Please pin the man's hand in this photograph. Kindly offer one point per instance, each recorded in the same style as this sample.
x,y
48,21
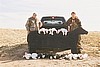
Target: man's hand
x,y
28,32
68,28
70,24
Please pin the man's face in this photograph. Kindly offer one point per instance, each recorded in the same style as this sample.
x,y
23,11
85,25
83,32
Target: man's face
x,y
34,16
73,15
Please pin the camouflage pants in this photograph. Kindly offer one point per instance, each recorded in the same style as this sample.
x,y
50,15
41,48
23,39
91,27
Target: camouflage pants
x,y
79,37
79,44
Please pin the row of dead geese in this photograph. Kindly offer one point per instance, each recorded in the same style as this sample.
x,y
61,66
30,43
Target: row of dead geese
x,y
52,30
54,56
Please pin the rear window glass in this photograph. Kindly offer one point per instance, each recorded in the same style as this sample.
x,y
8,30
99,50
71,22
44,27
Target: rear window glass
x,y
53,19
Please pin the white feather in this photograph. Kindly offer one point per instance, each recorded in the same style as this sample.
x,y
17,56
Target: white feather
x,y
34,55
85,56
70,56
80,56
63,30
27,56
52,31
51,57
43,30
43,56
75,56
55,57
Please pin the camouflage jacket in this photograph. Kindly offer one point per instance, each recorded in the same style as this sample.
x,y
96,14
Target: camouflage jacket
x,y
32,24
73,23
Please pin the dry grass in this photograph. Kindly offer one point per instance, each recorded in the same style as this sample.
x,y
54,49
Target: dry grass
x,y
13,44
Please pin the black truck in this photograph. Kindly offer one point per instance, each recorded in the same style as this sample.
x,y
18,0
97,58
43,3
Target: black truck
x,y
56,42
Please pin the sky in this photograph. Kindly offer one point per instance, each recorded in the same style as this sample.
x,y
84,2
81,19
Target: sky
x,y
14,13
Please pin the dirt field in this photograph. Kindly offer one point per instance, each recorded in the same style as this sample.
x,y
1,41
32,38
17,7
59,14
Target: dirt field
x,y
13,45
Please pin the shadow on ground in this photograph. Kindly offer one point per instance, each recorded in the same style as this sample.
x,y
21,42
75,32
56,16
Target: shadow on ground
x,y
12,53
16,52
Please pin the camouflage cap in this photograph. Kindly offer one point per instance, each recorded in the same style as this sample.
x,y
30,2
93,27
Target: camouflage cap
x,y
73,13
34,14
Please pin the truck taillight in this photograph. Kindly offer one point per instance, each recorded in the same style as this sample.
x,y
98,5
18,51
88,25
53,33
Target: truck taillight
x,y
53,17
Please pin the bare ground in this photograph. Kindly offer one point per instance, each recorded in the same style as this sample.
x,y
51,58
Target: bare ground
x,y
13,45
